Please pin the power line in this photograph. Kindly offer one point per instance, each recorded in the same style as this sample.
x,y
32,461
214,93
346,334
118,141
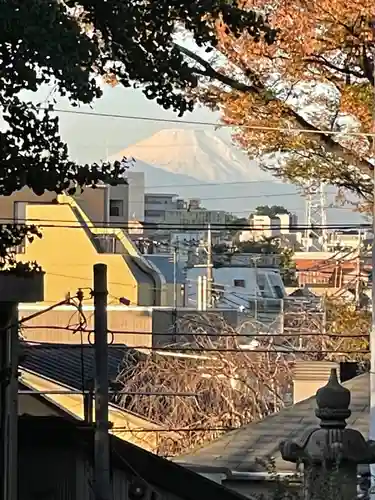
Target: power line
x,y
72,392
183,226
261,128
302,333
178,349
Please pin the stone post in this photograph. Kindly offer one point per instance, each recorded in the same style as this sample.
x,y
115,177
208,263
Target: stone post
x,y
331,452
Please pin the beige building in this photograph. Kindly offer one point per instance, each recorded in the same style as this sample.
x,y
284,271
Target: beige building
x,y
104,205
265,226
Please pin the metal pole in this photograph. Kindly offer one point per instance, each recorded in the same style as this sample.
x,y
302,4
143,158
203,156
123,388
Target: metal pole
x,y
209,267
256,289
204,293
199,293
102,467
358,271
372,335
9,400
13,405
175,277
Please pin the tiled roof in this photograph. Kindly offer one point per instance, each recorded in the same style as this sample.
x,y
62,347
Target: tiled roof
x,y
239,450
70,365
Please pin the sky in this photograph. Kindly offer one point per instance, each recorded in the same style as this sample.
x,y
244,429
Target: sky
x,y
92,138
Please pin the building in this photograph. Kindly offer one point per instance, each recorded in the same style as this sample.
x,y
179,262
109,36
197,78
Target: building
x,y
156,206
56,461
329,270
136,207
346,240
288,222
103,205
258,290
174,274
240,460
198,217
51,384
72,243
264,226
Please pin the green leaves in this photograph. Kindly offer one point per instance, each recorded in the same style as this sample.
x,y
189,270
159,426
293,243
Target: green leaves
x,y
65,44
138,40
12,236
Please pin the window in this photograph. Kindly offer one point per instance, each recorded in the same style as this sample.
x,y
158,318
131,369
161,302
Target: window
x,y
278,291
239,283
116,208
262,284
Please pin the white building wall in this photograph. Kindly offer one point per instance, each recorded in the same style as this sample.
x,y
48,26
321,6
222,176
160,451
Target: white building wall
x,y
239,284
119,193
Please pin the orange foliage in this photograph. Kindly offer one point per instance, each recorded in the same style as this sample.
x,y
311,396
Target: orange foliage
x,y
319,71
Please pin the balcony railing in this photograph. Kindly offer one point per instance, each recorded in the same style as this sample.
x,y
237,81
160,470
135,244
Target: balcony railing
x,y
107,243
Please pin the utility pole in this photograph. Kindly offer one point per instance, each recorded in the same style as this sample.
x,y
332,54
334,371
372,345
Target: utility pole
x,y
9,399
102,469
372,334
209,266
256,289
358,270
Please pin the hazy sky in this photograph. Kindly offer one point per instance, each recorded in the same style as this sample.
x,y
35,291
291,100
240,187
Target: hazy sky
x,y
90,138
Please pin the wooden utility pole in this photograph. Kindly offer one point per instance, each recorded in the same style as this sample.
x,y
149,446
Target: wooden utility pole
x,y
102,462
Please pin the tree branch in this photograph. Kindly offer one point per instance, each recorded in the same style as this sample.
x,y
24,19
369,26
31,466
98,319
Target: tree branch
x,y
330,145
210,72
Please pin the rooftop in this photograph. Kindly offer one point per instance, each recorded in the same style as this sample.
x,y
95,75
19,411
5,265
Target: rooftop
x,y
242,449
71,365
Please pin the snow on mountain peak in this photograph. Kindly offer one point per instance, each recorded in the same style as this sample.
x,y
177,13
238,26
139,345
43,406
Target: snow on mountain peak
x,y
196,153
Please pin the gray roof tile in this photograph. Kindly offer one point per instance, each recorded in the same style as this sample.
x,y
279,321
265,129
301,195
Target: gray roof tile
x,y
73,366
242,448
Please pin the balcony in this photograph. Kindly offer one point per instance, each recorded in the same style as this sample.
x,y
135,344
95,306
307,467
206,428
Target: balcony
x,y
107,243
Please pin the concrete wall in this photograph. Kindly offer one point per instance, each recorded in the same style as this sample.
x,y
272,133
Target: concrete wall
x,y
94,203
120,192
53,326
7,203
136,206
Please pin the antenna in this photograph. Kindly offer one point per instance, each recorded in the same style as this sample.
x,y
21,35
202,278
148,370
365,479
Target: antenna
x,y
315,237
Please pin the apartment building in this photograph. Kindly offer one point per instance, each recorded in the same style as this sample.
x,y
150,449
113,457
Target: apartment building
x,y
197,217
73,241
157,205
264,226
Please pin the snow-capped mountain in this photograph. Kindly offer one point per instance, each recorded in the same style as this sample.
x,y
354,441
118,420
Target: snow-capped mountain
x,y
201,154
199,164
